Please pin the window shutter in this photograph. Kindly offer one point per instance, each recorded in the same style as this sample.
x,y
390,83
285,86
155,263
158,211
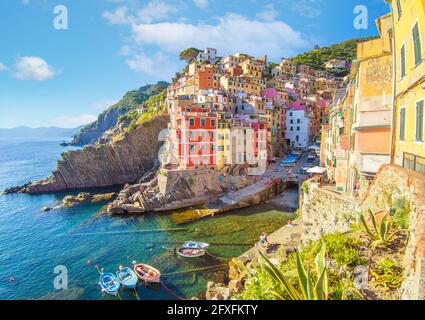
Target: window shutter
x,y
403,61
402,123
399,10
417,44
419,120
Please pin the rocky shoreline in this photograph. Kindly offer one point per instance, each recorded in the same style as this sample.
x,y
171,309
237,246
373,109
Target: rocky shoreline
x,y
123,160
166,191
83,197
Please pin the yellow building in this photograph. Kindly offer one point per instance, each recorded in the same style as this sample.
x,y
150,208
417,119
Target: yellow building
x,y
251,68
224,151
408,138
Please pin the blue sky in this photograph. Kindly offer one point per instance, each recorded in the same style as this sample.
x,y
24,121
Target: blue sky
x,y
66,77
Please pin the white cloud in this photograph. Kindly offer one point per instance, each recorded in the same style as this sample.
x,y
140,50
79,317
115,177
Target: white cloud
x,y
73,122
33,68
2,67
305,8
159,66
201,3
118,16
156,10
102,104
232,33
268,14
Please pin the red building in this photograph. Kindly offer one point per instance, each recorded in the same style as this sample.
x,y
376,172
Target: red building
x,y
196,137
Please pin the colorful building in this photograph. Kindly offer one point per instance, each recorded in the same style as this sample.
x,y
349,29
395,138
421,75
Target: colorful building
x,y
298,125
372,106
408,138
194,137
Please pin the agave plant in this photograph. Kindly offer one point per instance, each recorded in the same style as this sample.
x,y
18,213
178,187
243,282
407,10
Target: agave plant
x,y
310,289
378,234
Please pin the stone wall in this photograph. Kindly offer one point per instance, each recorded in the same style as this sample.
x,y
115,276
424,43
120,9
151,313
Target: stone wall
x,y
391,183
199,180
324,211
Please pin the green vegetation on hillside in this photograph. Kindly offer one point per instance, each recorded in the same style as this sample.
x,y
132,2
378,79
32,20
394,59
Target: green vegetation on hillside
x,y
109,118
155,105
136,98
316,58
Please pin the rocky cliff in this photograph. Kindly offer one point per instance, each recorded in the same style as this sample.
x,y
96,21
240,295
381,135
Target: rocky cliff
x,y
108,119
124,160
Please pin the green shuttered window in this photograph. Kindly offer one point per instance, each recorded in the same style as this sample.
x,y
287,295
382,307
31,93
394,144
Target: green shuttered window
x,y
419,121
399,9
417,44
403,61
403,124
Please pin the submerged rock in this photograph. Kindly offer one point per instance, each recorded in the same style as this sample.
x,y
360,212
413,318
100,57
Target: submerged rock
x,y
83,197
103,197
70,201
68,294
19,189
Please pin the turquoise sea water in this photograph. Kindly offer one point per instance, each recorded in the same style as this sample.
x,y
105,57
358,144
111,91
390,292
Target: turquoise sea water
x,y
33,243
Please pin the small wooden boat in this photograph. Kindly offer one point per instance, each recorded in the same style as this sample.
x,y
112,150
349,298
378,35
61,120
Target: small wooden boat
x,y
109,283
127,277
190,253
147,273
195,245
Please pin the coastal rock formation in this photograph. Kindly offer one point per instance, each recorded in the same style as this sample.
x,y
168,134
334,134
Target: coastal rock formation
x,y
93,131
108,119
70,201
18,189
169,190
103,197
124,160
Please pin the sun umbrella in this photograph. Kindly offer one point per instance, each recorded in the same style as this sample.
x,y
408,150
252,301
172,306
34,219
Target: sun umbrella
x,y
316,170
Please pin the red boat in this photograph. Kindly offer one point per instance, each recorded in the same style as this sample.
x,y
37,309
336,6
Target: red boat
x,y
147,273
190,253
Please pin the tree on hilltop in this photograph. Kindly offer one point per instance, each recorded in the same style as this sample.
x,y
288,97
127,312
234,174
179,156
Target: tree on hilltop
x,y
189,54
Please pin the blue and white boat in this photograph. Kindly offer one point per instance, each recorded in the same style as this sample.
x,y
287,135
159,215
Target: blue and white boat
x,y
109,283
195,245
127,277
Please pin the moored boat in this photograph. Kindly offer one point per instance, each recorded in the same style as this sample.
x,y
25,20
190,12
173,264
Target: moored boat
x,y
109,283
195,245
127,277
147,273
190,253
